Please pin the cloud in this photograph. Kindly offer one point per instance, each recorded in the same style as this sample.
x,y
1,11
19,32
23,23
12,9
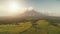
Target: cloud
x,y
30,8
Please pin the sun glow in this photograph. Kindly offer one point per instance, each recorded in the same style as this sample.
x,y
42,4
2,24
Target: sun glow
x,y
14,9
13,6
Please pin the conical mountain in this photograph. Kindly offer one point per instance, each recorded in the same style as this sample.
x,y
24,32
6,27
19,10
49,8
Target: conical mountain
x,y
31,14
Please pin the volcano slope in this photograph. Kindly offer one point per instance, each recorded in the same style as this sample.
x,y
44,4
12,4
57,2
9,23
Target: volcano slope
x,y
30,15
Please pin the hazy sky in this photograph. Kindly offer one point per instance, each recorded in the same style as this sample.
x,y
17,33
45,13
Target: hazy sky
x,y
52,7
48,7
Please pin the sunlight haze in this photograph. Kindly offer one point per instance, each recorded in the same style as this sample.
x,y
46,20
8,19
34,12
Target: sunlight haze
x,y
12,7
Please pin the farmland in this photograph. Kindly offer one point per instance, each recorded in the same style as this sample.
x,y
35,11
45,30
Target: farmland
x,y
42,27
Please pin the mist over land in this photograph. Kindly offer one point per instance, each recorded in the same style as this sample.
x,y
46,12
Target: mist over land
x,y
29,17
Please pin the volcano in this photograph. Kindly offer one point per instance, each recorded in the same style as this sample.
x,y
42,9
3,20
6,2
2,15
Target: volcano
x,y
31,14
27,15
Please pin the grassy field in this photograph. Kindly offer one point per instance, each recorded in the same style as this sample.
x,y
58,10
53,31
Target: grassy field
x,y
42,27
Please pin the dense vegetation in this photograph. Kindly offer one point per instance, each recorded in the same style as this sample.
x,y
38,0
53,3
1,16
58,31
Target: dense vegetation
x,y
40,27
